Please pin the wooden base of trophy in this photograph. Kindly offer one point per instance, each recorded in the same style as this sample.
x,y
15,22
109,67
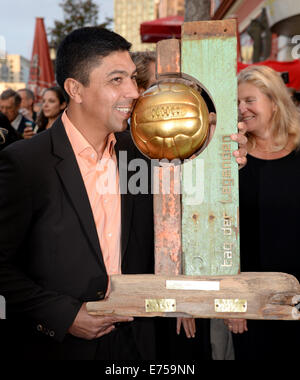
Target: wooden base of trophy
x,y
247,295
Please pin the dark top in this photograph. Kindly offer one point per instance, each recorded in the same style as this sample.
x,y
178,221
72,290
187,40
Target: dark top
x,y
269,214
25,123
269,228
10,134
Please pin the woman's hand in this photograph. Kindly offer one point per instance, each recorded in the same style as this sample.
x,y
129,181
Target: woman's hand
x,y
239,154
237,326
188,325
241,139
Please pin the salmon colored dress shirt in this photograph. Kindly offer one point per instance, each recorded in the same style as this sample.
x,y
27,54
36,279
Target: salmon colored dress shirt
x,y
101,180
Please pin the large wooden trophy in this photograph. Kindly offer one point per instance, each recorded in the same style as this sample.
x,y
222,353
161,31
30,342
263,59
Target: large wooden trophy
x,y
196,200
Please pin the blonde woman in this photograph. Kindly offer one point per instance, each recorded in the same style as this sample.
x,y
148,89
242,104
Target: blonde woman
x,y
269,203
145,65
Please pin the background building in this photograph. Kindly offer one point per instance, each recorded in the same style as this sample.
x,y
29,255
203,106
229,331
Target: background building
x,y
171,8
129,14
266,27
14,72
18,68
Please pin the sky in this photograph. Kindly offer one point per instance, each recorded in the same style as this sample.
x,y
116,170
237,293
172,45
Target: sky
x,y
17,21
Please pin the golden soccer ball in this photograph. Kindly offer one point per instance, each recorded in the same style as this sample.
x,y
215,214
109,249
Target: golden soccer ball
x,y
170,120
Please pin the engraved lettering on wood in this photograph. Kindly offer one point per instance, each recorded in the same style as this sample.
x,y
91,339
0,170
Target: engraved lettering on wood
x,y
211,246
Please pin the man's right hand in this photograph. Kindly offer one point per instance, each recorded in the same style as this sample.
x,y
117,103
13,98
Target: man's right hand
x,y
90,327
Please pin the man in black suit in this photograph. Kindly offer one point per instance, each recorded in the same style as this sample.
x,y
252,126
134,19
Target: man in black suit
x,y
55,249
52,259
10,102
8,134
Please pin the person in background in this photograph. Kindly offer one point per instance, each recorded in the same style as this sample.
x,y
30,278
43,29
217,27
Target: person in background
x,y
269,204
27,104
53,105
296,99
8,134
145,62
10,102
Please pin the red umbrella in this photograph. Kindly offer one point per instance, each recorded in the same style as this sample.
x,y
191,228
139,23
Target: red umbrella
x,y
161,29
292,67
41,68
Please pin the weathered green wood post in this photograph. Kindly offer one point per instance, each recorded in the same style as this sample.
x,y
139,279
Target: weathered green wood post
x,y
210,226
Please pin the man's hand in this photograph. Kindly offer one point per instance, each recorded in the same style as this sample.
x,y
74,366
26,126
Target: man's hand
x,y
236,325
90,327
25,113
188,325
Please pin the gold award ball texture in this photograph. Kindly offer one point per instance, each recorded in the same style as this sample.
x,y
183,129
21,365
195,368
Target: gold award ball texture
x,y
170,120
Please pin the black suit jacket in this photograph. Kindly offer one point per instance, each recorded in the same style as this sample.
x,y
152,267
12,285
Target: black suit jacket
x,y
50,257
10,134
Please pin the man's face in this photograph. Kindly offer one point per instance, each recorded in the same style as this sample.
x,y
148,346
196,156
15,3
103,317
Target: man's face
x,y
9,108
26,102
108,100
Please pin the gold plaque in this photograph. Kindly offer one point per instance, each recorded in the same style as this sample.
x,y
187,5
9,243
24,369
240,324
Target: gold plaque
x,y
170,120
161,305
230,306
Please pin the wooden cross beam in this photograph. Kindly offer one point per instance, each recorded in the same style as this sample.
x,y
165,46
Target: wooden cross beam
x,y
247,295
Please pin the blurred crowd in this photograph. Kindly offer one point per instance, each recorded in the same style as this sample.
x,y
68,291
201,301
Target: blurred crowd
x,y
22,118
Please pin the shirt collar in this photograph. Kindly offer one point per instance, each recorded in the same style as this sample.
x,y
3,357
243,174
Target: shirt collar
x,y
15,123
81,146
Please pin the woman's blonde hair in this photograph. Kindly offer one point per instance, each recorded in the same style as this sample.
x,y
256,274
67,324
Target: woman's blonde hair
x,y
286,118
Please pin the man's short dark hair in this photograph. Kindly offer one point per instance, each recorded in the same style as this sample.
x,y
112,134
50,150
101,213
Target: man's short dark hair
x,y
29,93
80,51
11,94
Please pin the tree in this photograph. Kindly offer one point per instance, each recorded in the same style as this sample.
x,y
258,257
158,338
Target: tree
x,y
77,13
197,10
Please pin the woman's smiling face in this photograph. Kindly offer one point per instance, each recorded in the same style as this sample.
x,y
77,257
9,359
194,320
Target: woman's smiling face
x,y
255,108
